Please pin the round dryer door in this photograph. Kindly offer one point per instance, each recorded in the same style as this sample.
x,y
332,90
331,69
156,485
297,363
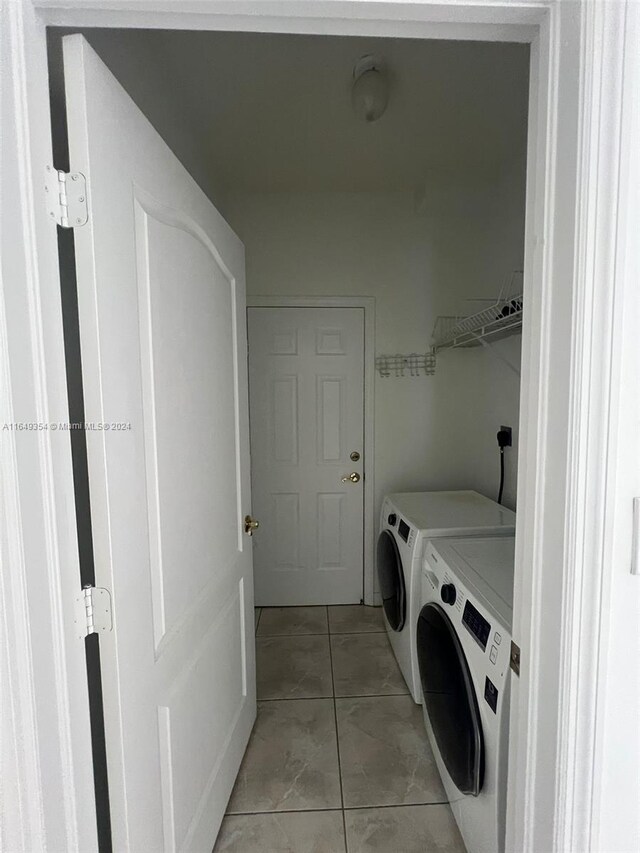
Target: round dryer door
x,y
450,699
391,579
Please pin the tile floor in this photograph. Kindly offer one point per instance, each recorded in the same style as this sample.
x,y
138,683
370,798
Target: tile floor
x,y
338,761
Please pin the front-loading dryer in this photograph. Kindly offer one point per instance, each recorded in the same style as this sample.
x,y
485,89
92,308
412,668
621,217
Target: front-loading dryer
x,y
464,637
407,521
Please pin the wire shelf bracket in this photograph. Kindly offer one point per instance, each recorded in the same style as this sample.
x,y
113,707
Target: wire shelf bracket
x,y
412,364
499,320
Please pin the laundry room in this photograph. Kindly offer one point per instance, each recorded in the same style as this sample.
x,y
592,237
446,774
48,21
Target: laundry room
x,y
370,195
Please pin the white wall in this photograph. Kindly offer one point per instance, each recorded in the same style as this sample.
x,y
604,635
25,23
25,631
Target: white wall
x,y
475,392
431,432
132,57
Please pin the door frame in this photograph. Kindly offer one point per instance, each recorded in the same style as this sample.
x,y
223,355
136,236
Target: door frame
x,y
574,531
368,305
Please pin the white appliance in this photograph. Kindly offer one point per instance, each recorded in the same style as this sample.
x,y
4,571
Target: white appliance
x,y
464,639
407,521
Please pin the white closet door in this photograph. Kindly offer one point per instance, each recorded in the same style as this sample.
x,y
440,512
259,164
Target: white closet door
x,y
306,369
162,322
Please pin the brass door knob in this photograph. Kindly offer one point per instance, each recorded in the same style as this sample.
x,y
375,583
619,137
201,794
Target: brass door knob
x,y
250,525
354,477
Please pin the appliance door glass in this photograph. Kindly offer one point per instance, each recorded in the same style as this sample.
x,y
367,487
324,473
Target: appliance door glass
x,y
450,699
391,579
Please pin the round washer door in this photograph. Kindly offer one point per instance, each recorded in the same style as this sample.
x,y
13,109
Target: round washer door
x,y
391,579
450,699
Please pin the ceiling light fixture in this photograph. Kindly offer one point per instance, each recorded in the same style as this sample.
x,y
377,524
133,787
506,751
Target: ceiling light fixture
x,y
370,89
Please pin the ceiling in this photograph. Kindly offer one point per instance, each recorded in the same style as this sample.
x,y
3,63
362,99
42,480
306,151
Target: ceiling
x,y
273,112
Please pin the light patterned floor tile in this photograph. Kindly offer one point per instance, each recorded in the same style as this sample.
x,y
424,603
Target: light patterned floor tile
x,y
384,753
355,619
291,762
284,621
364,665
410,829
282,832
293,667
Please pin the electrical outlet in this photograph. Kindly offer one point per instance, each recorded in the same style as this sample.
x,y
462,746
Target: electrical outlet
x,y
509,432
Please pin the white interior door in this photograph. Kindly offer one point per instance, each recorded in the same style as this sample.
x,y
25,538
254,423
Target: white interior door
x,y
306,368
162,323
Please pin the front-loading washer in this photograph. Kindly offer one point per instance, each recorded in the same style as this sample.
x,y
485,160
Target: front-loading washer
x,y
407,521
464,638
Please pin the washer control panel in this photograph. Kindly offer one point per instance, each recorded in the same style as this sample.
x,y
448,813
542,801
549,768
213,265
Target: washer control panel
x,y
406,533
476,624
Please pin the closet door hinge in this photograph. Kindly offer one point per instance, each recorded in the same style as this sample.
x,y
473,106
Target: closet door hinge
x,y
93,611
66,197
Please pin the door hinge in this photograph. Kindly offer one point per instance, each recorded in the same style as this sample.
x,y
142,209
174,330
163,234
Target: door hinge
x,y
66,197
93,611
515,658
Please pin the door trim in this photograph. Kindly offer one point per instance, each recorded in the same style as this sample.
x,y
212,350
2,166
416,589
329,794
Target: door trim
x,y
368,304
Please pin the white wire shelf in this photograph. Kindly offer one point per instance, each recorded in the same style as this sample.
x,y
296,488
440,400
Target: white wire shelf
x,y
412,364
498,320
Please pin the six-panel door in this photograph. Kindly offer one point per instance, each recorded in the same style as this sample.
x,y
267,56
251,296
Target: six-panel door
x,y
306,405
